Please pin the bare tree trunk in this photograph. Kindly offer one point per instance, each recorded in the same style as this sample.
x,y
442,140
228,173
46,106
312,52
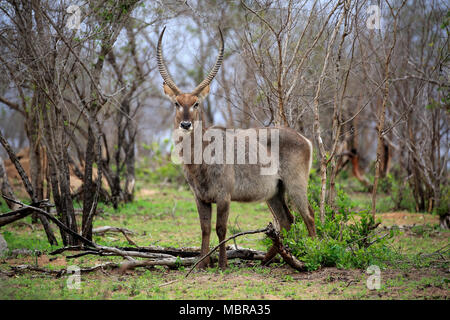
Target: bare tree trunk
x,y
385,163
337,108
380,127
88,185
34,136
5,187
130,160
56,146
382,114
317,128
50,236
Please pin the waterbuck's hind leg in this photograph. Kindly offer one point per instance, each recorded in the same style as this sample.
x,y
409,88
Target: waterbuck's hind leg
x,y
223,208
204,213
283,218
297,192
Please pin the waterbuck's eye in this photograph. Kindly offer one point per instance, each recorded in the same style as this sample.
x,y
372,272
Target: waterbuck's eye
x,y
177,105
195,105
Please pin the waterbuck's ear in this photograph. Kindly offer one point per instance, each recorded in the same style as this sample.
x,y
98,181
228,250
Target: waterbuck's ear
x,y
169,92
202,95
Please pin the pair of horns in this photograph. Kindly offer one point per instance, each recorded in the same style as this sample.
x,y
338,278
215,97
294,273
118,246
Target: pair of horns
x,y
168,80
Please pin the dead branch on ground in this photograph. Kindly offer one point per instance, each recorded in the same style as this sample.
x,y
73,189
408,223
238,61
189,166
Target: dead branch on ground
x,y
57,273
171,257
276,239
284,252
107,229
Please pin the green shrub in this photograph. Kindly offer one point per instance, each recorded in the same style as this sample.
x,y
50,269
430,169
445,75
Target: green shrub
x,y
399,191
347,241
346,238
314,186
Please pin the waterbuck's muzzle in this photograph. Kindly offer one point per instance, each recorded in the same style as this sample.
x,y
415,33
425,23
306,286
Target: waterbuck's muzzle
x,y
186,125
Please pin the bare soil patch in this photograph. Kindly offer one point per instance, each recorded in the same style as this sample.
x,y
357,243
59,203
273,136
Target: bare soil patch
x,y
407,218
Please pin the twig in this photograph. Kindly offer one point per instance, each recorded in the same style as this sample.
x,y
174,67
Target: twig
x,y
377,239
438,251
167,283
350,282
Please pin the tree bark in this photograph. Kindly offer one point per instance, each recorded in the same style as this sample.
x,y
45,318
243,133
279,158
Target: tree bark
x,y
88,185
6,187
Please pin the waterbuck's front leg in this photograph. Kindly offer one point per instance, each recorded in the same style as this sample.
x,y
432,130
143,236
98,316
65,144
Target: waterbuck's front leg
x,y
223,208
204,213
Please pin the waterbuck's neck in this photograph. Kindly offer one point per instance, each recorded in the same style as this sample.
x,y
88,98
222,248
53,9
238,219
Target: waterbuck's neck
x,y
195,143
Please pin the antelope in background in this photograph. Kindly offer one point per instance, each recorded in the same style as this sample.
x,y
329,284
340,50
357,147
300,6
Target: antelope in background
x,y
223,183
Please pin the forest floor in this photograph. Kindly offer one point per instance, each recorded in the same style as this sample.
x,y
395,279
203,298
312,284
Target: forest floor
x,y
167,217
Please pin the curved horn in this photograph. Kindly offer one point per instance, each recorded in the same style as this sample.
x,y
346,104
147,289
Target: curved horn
x,y
213,71
162,67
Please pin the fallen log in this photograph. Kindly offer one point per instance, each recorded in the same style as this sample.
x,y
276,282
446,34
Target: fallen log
x,y
275,236
157,260
176,257
183,252
171,263
245,254
58,273
154,252
224,241
107,229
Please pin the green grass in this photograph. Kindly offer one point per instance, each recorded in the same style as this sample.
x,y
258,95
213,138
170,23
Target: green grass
x,y
364,200
241,283
168,217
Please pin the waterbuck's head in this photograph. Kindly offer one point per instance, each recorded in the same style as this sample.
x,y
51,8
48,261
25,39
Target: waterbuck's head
x,y
187,105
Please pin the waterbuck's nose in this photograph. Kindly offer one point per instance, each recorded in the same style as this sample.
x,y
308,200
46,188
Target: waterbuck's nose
x,y
185,125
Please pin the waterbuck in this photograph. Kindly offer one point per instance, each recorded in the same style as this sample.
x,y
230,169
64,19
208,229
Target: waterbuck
x,y
221,182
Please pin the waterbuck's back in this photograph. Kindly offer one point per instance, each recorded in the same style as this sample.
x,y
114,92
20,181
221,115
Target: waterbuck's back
x,y
279,153
248,164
